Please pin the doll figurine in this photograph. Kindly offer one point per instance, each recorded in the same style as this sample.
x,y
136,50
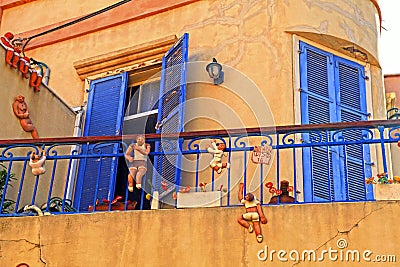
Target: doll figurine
x,y
218,152
35,80
37,163
136,154
6,42
254,213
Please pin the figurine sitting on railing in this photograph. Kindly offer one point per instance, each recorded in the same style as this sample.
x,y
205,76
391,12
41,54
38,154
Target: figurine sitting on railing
x,y
282,194
217,149
136,154
12,51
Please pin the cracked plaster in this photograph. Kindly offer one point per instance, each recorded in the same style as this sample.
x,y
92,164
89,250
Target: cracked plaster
x,y
112,239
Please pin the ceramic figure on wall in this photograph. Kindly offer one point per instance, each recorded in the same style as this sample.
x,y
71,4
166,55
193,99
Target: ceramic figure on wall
x,y
20,109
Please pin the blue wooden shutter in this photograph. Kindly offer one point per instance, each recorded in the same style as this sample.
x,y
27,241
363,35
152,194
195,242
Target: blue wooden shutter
x,y
317,106
171,115
351,106
104,116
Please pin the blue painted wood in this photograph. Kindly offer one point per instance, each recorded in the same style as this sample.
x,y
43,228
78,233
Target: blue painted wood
x,y
104,117
171,111
333,90
352,106
317,106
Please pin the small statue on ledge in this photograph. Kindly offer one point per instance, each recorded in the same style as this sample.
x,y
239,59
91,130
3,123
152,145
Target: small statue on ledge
x,y
12,52
20,109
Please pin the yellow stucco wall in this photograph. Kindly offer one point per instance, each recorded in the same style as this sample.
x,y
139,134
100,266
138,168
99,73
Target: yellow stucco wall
x,y
205,237
50,115
254,40
52,118
35,14
253,37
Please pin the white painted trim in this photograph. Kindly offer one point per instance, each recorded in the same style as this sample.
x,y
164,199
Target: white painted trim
x,y
140,115
297,116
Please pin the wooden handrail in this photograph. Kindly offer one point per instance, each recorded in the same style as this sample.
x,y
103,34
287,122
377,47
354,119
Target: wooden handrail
x,y
265,130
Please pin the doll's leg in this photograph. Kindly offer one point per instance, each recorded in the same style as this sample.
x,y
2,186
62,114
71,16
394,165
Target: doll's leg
x,y
225,165
15,60
243,222
9,56
141,172
257,230
132,173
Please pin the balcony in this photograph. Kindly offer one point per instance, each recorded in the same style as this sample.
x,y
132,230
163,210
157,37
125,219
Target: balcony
x,y
304,162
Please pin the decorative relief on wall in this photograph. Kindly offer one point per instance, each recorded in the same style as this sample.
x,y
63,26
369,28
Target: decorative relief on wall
x,y
21,111
17,60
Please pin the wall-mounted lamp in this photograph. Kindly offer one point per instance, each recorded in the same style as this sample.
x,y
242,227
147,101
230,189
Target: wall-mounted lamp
x,y
214,70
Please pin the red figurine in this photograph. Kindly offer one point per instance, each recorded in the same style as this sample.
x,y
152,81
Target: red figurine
x,y
36,80
24,66
21,111
6,42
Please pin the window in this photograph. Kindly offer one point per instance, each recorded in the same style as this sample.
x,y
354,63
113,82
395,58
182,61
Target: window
x,y
115,104
333,90
142,108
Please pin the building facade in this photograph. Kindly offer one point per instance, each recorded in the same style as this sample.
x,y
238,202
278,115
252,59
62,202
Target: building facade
x,y
112,66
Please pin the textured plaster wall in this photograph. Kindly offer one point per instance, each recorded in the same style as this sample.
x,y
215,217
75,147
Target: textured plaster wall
x,y
254,37
201,237
51,117
35,14
49,114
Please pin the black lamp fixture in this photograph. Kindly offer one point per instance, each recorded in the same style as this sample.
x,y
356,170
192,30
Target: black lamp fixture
x,y
214,70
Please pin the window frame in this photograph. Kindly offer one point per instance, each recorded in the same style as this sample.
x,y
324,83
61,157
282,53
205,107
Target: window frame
x,y
297,100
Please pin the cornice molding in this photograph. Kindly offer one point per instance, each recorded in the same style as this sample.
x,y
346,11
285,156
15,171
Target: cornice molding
x,y
138,56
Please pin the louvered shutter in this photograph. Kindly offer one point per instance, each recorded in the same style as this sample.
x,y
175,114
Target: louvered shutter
x,y
104,115
171,116
317,106
351,106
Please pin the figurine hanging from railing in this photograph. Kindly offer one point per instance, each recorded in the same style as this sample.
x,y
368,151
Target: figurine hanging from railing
x,y
36,162
136,154
217,149
254,213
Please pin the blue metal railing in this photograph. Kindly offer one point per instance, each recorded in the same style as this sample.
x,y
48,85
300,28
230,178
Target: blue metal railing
x,y
311,158
393,114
